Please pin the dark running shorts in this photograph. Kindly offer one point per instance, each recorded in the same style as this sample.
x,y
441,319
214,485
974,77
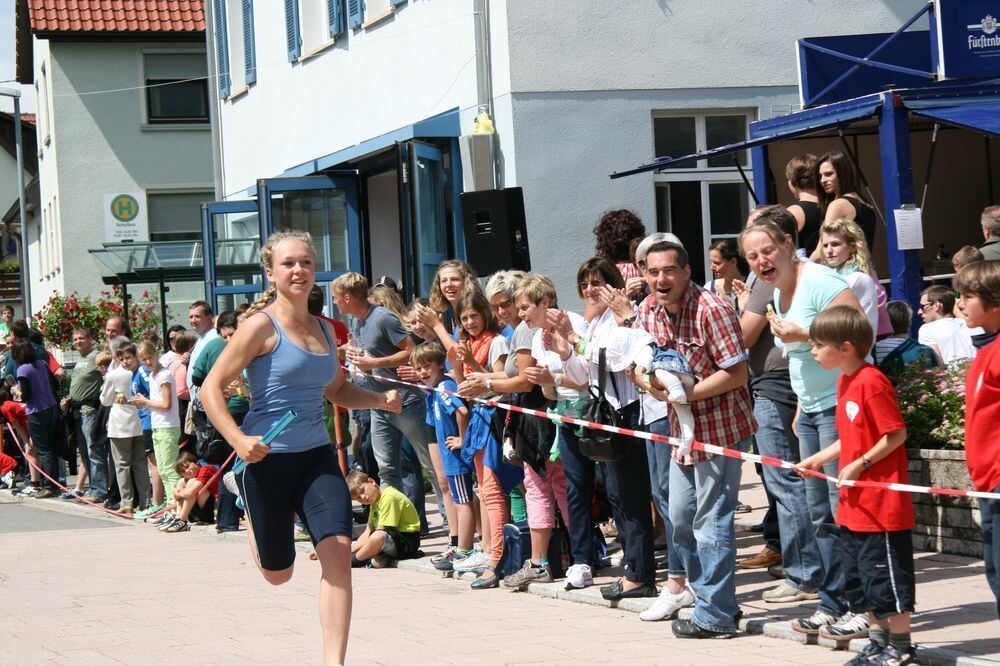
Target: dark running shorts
x,y
282,484
878,571
147,441
400,545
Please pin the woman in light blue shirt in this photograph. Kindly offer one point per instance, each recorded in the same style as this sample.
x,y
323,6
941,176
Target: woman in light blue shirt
x,y
802,290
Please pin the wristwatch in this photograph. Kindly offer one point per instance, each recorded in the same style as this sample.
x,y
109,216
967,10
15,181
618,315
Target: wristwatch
x,y
866,463
558,379
489,384
629,322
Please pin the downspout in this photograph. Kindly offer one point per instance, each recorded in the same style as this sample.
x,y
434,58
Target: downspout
x,y
484,75
214,108
484,78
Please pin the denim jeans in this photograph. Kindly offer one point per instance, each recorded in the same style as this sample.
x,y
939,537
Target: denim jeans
x,y
702,508
388,431
628,483
97,448
579,472
990,513
817,431
658,455
42,429
799,551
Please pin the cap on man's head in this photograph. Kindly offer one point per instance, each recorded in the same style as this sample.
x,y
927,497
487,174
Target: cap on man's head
x,y
652,239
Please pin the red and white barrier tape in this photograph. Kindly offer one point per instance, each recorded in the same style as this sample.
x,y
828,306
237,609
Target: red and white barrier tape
x,y
708,448
127,516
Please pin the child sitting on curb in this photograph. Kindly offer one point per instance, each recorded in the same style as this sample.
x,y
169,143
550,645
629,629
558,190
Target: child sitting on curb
x,y
188,493
393,531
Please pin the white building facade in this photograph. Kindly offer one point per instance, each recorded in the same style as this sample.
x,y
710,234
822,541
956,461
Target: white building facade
x,y
375,96
123,117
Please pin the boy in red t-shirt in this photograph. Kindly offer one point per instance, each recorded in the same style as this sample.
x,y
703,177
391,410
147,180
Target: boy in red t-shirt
x,y
978,285
187,494
875,524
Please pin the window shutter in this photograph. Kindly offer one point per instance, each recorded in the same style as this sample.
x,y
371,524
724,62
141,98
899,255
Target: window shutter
x,y
355,13
335,12
294,41
249,51
221,49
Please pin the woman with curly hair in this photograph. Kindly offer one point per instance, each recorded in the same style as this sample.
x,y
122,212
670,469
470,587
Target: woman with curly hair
x,y
614,234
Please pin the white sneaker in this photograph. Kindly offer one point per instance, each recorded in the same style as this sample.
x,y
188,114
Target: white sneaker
x,y
848,627
475,562
578,577
814,623
667,605
7,479
29,491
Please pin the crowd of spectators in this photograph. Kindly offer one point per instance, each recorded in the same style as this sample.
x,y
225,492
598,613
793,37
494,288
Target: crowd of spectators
x,y
785,350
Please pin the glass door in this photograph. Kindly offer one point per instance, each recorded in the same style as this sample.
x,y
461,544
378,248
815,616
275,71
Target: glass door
x,y
430,214
324,206
231,231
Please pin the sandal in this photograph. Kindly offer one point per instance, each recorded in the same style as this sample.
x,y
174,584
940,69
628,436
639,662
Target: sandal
x,y
486,583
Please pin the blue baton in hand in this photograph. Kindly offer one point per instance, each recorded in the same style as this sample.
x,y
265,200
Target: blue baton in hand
x,y
269,436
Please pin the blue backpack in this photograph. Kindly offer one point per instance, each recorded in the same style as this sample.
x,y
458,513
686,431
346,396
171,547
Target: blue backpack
x,y
517,549
907,353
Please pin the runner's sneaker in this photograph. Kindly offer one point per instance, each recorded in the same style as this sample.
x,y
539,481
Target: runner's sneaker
x,y
229,481
578,577
28,491
812,624
865,657
174,526
667,605
893,656
476,562
785,593
529,573
848,627
7,480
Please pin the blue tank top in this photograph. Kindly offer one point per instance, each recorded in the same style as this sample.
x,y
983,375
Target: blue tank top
x,y
289,377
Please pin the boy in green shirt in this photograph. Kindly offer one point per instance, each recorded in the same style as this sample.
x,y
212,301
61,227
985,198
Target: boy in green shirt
x,y
393,531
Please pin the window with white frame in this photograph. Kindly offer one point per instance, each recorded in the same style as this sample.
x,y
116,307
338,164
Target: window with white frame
x,y
702,200
177,87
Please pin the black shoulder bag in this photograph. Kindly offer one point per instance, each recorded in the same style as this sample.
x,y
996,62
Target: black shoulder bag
x,y
601,445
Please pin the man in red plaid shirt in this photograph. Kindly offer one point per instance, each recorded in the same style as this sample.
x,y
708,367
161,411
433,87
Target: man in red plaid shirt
x,y
704,328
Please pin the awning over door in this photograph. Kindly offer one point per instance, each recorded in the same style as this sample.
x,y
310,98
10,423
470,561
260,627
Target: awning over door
x,y
979,117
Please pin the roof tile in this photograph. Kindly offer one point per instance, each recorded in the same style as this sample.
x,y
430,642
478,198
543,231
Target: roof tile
x,y
117,15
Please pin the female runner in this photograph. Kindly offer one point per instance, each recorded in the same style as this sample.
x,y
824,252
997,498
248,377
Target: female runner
x,y
291,362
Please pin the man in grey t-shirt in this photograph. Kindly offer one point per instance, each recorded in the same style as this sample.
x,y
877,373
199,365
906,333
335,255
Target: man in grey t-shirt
x,y
380,345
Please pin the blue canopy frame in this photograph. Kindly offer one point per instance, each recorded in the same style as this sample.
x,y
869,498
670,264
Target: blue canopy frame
x,y
971,106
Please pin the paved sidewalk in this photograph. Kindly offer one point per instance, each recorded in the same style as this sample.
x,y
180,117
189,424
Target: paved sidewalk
x,y
131,595
107,608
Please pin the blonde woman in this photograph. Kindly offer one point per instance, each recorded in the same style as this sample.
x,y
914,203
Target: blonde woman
x,y
291,362
843,248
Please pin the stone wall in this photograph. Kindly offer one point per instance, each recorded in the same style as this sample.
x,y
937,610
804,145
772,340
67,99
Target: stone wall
x,y
944,524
